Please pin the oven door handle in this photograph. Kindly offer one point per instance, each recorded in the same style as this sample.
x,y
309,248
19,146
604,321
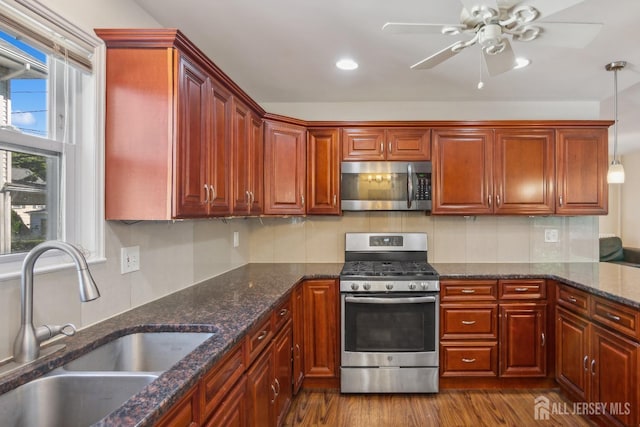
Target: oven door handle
x,y
379,300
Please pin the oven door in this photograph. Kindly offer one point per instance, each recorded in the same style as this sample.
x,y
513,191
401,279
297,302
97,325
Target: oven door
x,y
390,329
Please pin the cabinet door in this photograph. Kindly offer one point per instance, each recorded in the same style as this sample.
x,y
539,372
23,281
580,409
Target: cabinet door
x,y
285,174
614,370
323,172
462,171
220,150
185,413
298,337
192,177
241,159
256,164
321,320
572,354
363,144
524,171
408,144
233,411
523,351
581,171
261,391
282,345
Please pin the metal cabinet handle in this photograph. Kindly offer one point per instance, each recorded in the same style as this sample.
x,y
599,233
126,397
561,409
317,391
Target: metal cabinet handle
x,y
335,200
468,291
278,384
489,200
584,363
593,367
274,393
465,360
283,312
382,147
206,194
302,199
521,289
498,200
613,317
572,300
247,193
389,146
561,201
468,322
298,348
213,194
544,340
263,335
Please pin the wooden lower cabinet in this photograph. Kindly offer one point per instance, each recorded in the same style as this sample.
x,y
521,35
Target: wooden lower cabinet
x,y
596,364
185,413
233,412
523,340
321,333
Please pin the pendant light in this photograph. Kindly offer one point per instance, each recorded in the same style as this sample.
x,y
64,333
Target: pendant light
x,y
615,175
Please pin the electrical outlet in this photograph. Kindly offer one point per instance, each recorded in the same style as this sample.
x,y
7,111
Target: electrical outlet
x,y
129,259
551,235
236,239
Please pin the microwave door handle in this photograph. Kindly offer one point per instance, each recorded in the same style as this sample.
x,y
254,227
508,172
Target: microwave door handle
x,y
382,300
409,186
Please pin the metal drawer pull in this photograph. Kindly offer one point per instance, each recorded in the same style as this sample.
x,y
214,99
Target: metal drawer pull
x,y
468,291
206,194
274,393
584,363
263,335
521,289
468,322
544,340
593,367
572,299
465,360
283,312
613,317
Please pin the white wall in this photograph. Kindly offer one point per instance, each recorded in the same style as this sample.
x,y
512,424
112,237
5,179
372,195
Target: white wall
x,y
630,200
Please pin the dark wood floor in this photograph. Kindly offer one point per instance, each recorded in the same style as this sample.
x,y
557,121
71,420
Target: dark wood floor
x,y
447,408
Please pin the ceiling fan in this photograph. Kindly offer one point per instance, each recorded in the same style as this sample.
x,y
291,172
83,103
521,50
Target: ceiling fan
x,y
492,23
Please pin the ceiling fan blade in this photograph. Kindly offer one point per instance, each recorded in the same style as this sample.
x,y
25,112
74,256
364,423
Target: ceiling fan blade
x,y
500,62
567,34
416,28
436,58
549,7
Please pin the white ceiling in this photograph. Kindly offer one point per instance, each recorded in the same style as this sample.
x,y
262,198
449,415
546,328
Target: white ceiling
x,y
285,51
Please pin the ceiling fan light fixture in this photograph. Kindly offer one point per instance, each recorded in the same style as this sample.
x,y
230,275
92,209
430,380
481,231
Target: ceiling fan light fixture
x,y
524,14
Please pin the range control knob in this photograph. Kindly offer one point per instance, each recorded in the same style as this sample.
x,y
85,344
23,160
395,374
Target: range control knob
x,y
424,285
413,286
389,286
366,286
354,286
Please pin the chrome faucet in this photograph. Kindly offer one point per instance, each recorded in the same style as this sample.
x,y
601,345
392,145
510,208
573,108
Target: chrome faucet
x,y
26,347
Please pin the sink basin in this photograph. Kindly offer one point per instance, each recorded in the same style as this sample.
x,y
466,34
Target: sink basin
x,y
141,352
69,399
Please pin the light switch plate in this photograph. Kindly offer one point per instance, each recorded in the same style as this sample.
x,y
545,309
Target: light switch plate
x,y
129,259
551,235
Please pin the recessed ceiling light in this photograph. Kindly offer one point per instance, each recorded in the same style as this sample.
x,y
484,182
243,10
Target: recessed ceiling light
x,y
347,64
521,63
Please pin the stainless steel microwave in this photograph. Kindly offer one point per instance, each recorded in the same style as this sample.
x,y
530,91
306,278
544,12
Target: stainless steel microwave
x,y
385,186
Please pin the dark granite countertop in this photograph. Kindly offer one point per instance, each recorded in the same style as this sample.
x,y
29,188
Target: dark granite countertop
x,y
230,304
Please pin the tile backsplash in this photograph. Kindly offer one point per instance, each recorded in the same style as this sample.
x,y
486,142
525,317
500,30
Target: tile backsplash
x,y
451,238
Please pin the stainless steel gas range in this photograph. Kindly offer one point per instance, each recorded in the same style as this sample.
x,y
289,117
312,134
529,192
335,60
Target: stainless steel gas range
x,y
389,297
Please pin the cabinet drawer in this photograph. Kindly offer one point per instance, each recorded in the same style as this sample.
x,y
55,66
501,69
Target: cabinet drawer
x,y
478,359
617,316
573,299
221,379
469,321
258,339
282,314
468,290
522,289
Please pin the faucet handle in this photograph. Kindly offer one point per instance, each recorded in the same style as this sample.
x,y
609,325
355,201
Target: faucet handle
x,y
46,332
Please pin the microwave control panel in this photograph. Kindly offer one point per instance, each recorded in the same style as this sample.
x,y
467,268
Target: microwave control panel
x,y
423,189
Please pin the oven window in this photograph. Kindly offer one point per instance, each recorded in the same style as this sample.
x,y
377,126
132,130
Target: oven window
x,y
404,327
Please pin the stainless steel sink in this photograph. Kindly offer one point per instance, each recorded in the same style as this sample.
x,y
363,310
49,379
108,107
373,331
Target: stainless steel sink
x,y
69,399
140,352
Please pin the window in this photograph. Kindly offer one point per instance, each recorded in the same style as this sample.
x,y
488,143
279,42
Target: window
x,y
50,149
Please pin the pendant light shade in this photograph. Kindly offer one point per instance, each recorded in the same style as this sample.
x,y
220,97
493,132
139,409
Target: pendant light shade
x,y
615,175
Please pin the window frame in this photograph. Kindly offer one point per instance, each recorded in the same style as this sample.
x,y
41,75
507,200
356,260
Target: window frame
x,y
82,166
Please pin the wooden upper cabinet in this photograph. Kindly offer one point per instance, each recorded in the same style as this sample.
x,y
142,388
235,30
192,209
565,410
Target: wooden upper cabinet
x,y
524,171
247,161
173,160
284,168
462,171
409,144
323,171
582,162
